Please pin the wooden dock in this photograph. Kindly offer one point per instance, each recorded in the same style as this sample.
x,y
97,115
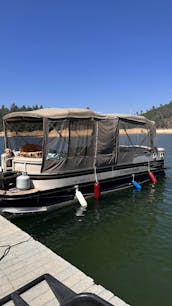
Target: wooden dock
x,y
22,259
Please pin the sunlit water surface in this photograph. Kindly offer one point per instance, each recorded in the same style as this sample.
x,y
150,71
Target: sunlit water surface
x,y
123,241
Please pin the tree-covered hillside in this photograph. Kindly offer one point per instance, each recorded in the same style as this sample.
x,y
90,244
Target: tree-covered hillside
x,y
14,108
162,115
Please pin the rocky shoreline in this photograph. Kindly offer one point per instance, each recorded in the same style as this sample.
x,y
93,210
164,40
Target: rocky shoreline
x,y
164,131
134,131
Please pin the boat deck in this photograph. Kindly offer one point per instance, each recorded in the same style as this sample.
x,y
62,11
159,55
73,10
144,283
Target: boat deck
x,y
23,259
15,191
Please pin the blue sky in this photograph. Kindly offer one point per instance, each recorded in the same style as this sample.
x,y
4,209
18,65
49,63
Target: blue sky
x,y
109,55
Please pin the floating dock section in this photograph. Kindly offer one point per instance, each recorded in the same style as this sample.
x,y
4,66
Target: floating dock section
x,y
23,259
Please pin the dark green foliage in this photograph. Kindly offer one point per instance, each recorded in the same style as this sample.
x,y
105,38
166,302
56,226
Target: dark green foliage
x,y
162,115
14,108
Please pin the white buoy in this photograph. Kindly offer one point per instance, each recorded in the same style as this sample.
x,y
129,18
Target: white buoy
x,y
80,197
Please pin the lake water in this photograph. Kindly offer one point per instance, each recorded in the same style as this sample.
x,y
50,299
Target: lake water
x,y
123,241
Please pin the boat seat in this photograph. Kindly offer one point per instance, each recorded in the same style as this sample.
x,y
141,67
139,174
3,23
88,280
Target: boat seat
x,y
36,154
30,147
30,150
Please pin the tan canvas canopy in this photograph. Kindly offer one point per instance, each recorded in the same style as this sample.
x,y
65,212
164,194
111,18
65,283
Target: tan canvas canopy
x,y
60,113
55,113
75,138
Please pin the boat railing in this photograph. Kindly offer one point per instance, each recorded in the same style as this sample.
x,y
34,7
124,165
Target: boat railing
x,y
27,164
6,162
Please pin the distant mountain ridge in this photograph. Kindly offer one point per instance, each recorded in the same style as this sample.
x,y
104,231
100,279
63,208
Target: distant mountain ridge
x,y
162,115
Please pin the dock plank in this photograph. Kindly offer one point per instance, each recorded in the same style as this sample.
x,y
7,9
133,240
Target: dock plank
x,y
27,259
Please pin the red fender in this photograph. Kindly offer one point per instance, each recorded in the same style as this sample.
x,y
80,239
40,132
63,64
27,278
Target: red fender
x,y
152,177
97,190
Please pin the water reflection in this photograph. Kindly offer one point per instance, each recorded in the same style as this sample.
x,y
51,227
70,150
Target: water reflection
x,y
80,211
